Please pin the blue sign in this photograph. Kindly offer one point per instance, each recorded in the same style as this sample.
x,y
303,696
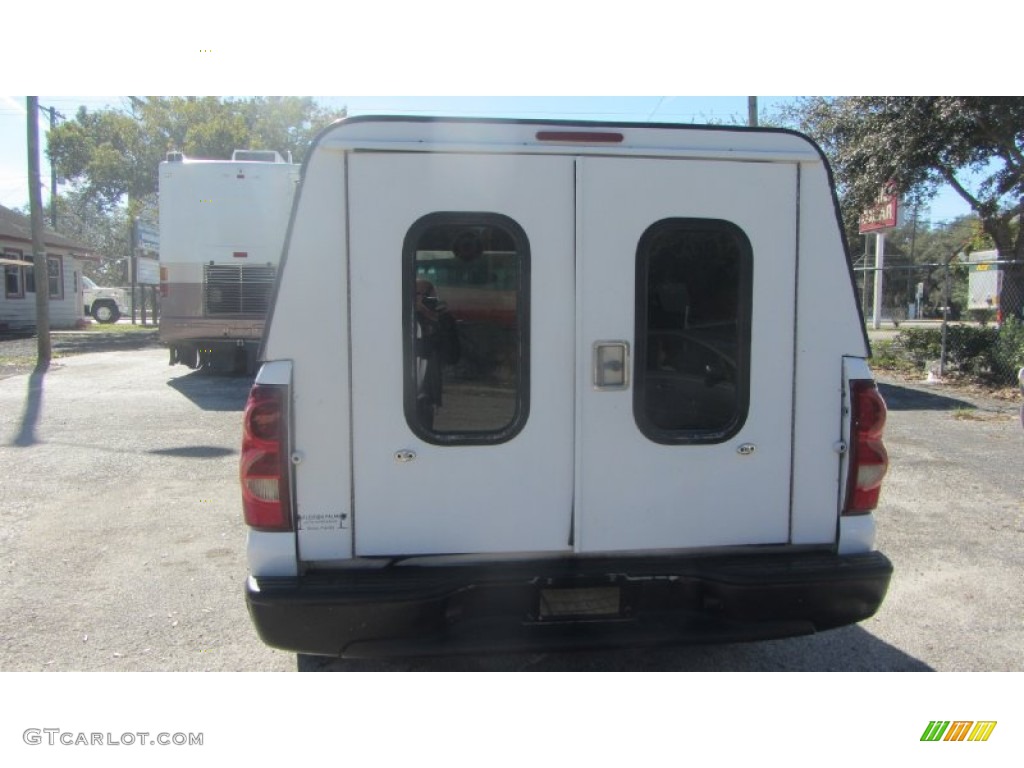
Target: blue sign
x,y
147,237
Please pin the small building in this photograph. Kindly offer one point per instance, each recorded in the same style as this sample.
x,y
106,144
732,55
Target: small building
x,y
64,262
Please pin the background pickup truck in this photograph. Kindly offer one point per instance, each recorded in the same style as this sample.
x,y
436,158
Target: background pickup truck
x,y
105,305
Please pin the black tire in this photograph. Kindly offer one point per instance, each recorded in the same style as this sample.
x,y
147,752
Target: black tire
x,y
105,312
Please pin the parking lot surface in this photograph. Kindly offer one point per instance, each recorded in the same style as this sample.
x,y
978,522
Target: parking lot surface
x,y
122,544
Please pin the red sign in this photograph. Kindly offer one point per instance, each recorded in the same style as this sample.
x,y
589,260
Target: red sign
x,y
883,214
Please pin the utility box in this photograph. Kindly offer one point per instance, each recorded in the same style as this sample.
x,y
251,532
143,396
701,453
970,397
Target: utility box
x,y
984,281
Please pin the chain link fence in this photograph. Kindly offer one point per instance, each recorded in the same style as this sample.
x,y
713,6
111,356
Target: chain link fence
x,y
962,319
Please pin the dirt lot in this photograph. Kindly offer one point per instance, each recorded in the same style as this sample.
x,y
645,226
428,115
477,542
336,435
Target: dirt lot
x,y
122,545
18,352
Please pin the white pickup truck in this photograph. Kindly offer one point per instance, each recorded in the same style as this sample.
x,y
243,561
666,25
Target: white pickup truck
x,y
535,384
105,305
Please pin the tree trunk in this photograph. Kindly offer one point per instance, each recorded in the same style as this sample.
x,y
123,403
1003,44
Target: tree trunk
x,y
38,248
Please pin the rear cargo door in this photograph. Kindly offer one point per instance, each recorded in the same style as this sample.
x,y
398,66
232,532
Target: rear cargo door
x,y
570,354
463,350
685,294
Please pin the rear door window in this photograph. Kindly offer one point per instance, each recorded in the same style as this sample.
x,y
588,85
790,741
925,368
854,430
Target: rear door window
x,y
466,328
693,294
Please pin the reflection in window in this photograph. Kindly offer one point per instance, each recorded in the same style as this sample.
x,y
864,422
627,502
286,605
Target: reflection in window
x,y
466,328
693,330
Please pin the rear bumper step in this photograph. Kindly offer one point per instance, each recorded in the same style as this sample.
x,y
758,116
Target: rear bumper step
x,y
572,603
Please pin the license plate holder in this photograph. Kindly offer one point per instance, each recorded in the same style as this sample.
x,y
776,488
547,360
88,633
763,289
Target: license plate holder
x,y
564,603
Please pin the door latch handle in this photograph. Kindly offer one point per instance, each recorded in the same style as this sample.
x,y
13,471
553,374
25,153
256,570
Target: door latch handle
x,y
611,365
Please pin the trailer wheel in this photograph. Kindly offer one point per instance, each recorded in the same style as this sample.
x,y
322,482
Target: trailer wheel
x,y
105,312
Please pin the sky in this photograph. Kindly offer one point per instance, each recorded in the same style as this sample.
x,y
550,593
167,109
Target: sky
x,y
671,109
462,57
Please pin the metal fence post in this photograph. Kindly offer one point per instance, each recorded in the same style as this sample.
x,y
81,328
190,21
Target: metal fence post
x,y
946,298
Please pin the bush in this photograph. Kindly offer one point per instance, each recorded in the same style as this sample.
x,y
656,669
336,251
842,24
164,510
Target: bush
x,y
1008,350
919,345
992,355
969,349
886,356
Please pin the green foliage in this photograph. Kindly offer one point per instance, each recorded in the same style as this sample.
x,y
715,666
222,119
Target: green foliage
x,y
106,232
969,349
918,346
885,355
920,143
113,154
984,354
1008,353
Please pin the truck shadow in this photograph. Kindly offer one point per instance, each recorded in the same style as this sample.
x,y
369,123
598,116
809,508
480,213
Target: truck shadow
x,y
214,391
848,649
902,398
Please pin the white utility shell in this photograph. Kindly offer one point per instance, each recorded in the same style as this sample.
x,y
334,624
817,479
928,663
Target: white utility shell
x,y
579,475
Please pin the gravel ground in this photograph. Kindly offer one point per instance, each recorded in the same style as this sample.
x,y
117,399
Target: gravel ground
x,y
122,544
18,352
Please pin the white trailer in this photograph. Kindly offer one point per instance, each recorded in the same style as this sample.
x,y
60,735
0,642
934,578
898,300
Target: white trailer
x,y
222,228
984,280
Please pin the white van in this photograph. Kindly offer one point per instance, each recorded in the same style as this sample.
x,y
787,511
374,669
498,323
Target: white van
x,y
548,385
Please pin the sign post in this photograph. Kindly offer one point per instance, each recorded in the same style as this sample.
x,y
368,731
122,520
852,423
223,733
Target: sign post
x,y
146,271
880,218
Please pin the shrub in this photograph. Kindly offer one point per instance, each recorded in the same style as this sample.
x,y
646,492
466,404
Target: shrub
x,y
1008,351
969,349
992,355
886,355
919,345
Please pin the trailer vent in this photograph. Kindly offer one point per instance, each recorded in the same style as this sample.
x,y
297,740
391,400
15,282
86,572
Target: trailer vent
x,y
256,155
237,290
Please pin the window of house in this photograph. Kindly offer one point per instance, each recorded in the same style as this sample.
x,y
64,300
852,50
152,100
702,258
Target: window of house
x,y
14,285
13,289
693,284
466,328
55,273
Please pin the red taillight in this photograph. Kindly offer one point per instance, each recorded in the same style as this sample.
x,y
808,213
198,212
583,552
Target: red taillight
x,y
264,464
868,457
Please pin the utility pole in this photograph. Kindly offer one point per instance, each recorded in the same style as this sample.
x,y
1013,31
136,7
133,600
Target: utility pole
x,y
54,114
42,273
752,111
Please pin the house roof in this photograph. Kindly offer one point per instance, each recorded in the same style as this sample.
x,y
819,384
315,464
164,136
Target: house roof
x,y
16,226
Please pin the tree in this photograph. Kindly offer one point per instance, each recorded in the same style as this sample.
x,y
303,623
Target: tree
x,y
104,231
919,143
113,154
